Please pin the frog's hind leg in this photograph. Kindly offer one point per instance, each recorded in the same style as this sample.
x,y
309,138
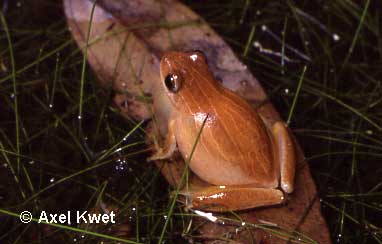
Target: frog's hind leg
x,y
285,156
231,198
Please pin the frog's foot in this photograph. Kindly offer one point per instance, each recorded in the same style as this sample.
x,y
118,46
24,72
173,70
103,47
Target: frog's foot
x,y
231,198
169,146
162,153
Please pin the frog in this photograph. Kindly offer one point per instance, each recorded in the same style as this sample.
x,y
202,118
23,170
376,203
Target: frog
x,y
246,163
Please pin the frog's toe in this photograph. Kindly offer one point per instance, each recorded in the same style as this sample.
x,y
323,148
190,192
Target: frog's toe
x,y
185,198
156,156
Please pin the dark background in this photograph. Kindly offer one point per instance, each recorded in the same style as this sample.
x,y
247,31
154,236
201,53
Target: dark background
x,y
337,118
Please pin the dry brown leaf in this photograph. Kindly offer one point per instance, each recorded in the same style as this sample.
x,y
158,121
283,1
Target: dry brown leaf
x,y
126,42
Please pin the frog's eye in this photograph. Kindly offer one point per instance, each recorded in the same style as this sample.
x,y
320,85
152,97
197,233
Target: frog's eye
x,y
173,82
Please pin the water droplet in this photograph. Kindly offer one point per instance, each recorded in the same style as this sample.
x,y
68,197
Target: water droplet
x,y
133,209
75,239
121,164
50,105
339,238
336,37
242,223
263,27
79,117
165,216
31,162
5,165
12,96
286,91
52,180
258,12
18,4
369,132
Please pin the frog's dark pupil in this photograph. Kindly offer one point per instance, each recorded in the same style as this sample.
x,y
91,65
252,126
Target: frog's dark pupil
x,y
172,82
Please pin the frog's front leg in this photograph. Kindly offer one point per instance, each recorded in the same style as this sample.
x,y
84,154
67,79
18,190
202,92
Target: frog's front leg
x,y
231,198
169,146
285,156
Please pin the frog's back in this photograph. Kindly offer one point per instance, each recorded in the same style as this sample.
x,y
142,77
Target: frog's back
x,y
234,147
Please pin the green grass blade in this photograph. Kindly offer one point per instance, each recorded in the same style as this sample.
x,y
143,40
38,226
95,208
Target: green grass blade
x,y
15,94
296,96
